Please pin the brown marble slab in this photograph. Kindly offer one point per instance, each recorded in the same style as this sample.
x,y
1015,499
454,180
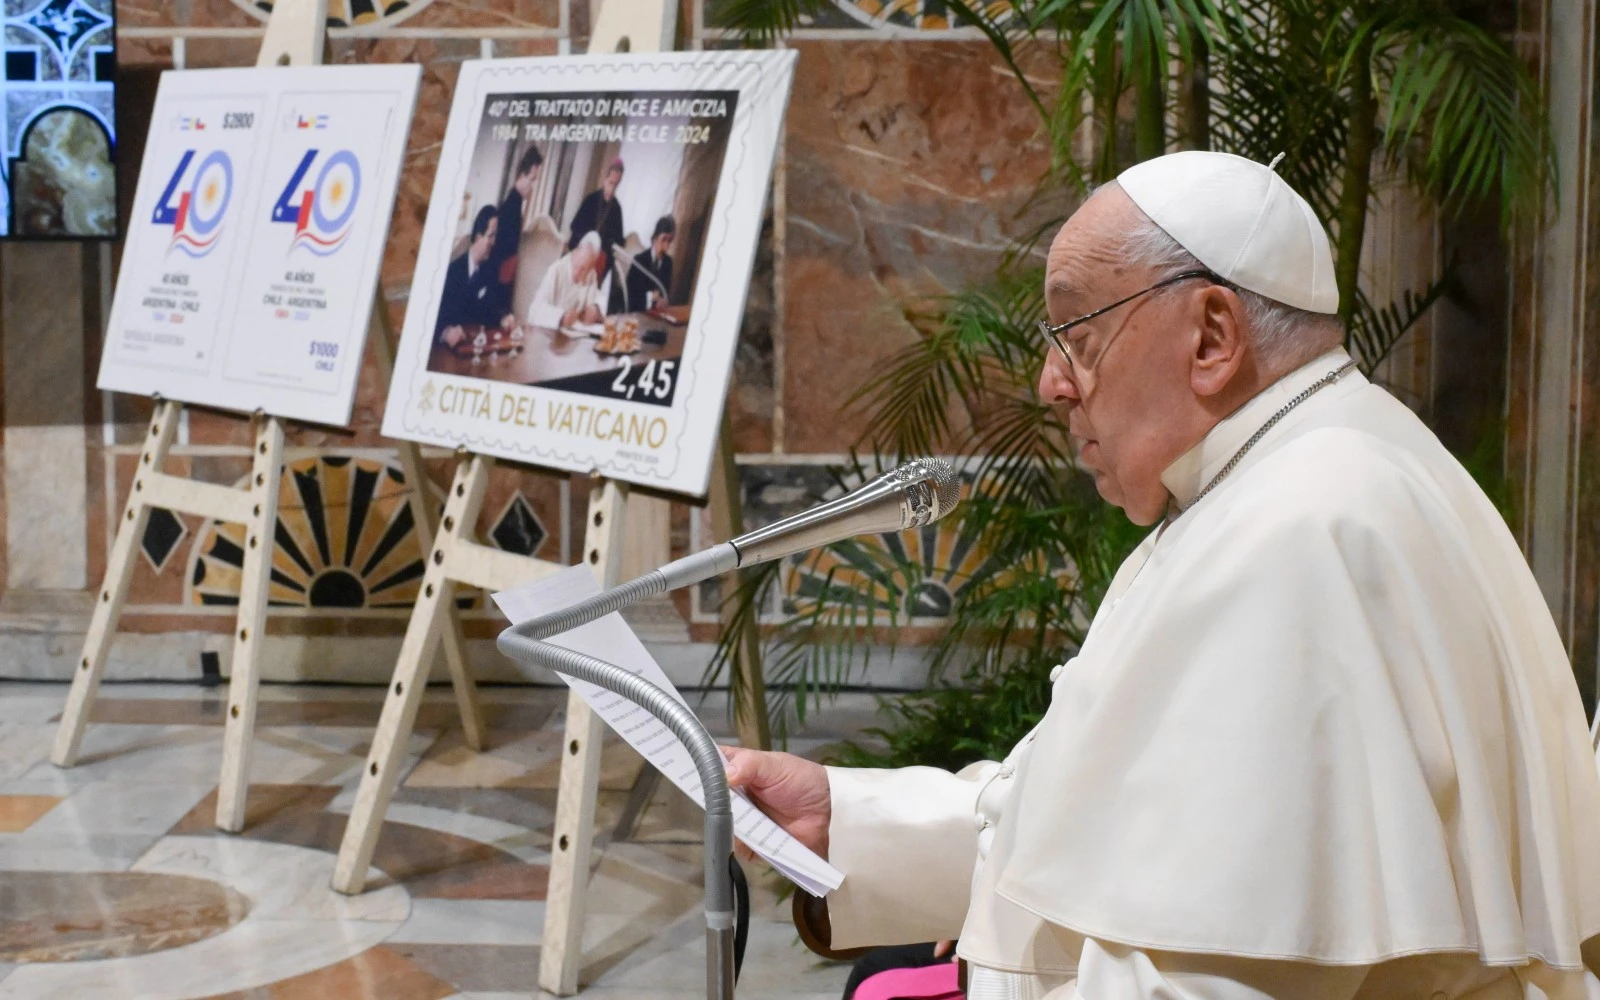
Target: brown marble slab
x,y
379,973
183,14
910,170
18,812
77,917
488,968
502,14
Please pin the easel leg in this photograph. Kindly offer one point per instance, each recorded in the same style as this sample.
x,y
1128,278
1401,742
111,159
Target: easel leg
x,y
113,590
251,632
466,690
572,841
382,340
410,680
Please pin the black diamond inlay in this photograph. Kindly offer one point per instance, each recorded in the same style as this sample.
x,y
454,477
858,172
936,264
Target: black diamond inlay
x,y
162,533
518,529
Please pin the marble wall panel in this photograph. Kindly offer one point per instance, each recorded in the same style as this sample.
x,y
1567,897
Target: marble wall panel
x,y
501,14
909,171
522,505
205,52
143,51
1553,371
182,14
753,398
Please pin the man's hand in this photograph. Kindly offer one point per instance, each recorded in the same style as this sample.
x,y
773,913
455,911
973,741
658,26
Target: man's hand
x,y
791,790
453,335
592,314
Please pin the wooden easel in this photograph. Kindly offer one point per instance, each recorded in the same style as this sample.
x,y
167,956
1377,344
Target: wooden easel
x,y
623,25
294,36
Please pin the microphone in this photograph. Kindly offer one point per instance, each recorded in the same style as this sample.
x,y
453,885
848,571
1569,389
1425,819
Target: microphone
x,y
917,493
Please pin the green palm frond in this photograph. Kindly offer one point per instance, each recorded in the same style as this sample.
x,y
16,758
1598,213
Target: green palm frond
x,y
1447,102
1265,104
763,21
1461,112
1376,330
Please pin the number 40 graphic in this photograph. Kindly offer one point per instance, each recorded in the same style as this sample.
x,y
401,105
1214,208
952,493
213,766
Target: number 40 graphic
x,y
197,216
320,213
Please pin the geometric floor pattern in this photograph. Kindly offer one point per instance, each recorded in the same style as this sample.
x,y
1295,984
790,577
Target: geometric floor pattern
x,y
115,884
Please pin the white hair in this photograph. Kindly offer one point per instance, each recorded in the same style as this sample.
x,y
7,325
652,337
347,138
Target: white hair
x,y
591,239
1282,336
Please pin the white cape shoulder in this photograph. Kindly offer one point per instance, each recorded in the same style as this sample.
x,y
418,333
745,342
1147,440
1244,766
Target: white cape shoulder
x,y
1331,720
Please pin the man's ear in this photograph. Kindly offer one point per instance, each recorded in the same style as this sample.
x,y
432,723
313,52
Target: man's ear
x,y
1220,349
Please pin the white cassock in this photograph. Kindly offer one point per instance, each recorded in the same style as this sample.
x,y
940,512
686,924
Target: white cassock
x,y
1322,741
559,293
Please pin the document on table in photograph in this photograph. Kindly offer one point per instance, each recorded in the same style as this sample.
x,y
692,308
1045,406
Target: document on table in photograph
x,y
610,639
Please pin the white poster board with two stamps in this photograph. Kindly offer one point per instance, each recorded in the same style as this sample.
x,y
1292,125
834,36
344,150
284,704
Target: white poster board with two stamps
x,y
582,276
256,236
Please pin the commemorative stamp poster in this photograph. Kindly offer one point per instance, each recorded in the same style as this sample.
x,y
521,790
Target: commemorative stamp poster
x,y
257,232
585,258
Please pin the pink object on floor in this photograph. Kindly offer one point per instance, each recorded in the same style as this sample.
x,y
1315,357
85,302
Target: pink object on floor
x,y
931,982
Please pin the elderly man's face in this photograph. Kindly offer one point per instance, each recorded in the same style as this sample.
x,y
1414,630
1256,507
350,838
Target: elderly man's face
x,y
1129,398
613,178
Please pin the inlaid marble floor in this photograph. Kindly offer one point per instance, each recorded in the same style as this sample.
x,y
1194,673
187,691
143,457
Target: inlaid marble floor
x,y
115,884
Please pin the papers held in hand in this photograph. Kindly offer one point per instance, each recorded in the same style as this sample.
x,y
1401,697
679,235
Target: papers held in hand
x,y
611,639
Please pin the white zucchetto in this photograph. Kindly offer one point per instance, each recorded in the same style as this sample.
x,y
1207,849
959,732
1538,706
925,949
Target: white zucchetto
x,y
1242,221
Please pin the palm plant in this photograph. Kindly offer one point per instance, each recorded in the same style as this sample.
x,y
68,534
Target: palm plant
x,y
1338,86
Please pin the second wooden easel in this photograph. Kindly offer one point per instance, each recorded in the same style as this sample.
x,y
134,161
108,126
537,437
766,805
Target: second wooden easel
x,y
458,560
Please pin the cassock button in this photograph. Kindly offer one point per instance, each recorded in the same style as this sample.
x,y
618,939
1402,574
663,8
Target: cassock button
x,y
1006,770
1055,671
979,823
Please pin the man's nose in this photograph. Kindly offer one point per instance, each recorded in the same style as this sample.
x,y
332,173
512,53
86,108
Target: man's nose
x,y
1056,387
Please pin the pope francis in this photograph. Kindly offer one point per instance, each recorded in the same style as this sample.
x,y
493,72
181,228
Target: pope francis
x,y
1322,739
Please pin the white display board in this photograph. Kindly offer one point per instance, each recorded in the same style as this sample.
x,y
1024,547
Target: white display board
x,y
583,269
257,232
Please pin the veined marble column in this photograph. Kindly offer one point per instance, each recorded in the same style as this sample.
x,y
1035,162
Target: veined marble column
x,y
42,324
1555,351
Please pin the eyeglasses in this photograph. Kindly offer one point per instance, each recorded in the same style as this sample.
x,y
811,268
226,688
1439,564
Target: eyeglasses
x,y
1058,333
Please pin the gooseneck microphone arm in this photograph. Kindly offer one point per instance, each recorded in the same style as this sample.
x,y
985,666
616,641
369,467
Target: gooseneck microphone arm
x,y
912,495
524,643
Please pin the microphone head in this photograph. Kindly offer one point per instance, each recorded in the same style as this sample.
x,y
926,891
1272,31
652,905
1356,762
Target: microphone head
x,y
932,490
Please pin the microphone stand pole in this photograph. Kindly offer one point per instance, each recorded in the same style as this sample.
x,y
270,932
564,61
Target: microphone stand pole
x,y
524,644
912,495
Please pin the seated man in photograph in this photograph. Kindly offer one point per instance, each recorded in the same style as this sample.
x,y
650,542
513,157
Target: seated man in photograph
x,y
650,275
570,291
469,297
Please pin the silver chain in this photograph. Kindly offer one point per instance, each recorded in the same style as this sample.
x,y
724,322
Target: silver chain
x,y
1261,432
